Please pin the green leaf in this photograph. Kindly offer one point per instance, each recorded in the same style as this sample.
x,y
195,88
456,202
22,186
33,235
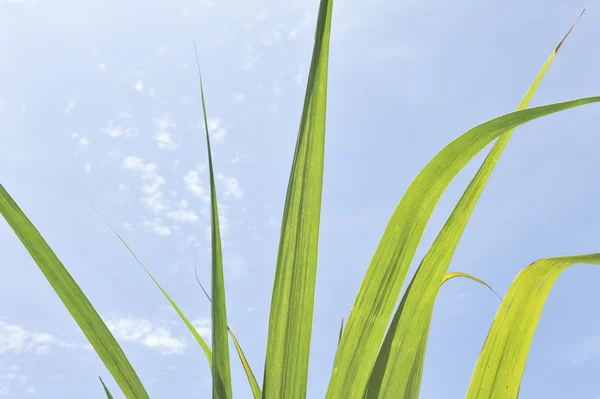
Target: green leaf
x,y
381,285
221,369
73,298
341,330
451,275
399,372
292,302
108,394
249,374
502,360
190,326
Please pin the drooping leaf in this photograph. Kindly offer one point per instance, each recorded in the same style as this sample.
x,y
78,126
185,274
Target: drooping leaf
x,y
106,391
292,302
73,298
451,275
249,374
399,372
502,360
189,325
221,369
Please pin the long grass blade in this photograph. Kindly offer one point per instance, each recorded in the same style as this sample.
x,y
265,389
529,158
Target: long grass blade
x,y
502,360
249,374
292,302
73,298
189,325
106,391
381,285
341,330
400,371
221,368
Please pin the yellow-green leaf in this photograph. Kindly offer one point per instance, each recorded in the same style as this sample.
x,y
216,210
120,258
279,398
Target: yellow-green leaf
x,y
399,372
451,275
221,372
381,285
502,360
73,298
292,302
190,326
106,391
249,374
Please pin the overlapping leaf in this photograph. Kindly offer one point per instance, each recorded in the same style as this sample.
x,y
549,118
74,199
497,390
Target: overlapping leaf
x,y
381,285
399,372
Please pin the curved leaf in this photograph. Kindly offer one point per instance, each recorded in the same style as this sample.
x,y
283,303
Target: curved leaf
x,y
451,275
73,298
502,360
292,302
400,371
381,285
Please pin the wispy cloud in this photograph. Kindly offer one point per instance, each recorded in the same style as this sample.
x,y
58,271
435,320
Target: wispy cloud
x,y
17,339
69,107
163,136
157,226
143,332
81,140
120,131
152,194
183,213
139,86
232,187
193,183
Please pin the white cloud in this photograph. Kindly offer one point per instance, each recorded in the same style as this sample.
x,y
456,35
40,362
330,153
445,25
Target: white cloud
x,y
164,122
16,339
194,184
87,167
161,50
163,140
120,131
139,86
101,66
293,33
81,140
239,97
123,187
232,186
183,213
69,107
271,37
157,227
142,332
152,194
262,15
203,328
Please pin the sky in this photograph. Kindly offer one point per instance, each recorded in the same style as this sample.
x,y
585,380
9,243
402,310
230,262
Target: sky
x,y
99,104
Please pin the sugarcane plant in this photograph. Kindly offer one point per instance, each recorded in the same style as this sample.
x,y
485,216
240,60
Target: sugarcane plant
x,y
381,351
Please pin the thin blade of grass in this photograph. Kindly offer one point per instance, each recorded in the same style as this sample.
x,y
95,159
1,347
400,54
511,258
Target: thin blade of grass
x,y
381,285
108,394
400,370
341,330
73,298
189,325
292,302
221,368
249,374
502,360
451,275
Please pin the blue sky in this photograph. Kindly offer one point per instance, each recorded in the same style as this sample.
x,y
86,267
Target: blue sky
x,y
99,104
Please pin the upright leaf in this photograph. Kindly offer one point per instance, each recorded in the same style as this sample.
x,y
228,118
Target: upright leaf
x,y
106,391
502,360
381,285
249,374
73,298
290,321
221,370
400,371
